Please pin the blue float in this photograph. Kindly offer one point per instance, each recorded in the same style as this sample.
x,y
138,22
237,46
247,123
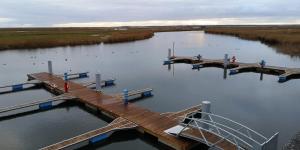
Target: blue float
x,y
282,79
17,87
109,82
46,105
233,71
98,138
83,75
66,76
146,94
197,66
167,62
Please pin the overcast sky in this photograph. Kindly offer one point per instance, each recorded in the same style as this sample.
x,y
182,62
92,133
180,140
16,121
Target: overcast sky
x,y
41,13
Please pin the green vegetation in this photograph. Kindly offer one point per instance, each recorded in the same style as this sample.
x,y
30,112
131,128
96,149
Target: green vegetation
x,y
286,39
25,38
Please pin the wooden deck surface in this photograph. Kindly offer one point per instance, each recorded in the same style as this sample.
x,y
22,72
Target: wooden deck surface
x,y
289,73
117,124
148,121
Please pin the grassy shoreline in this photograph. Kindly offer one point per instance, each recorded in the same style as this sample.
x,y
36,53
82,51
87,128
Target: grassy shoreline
x,y
285,39
30,38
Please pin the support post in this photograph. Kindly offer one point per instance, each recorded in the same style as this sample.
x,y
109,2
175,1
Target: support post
x,y
169,54
98,82
66,86
50,67
225,60
206,109
125,96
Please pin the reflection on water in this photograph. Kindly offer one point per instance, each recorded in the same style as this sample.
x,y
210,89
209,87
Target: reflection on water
x,y
264,105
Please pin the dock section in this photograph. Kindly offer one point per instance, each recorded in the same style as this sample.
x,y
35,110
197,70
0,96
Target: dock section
x,y
146,120
93,136
283,73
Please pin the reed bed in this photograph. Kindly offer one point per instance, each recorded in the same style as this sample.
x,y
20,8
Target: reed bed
x,y
286,39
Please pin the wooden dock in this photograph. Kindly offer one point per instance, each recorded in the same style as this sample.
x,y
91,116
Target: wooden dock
x,y
146,120
284,73
93,136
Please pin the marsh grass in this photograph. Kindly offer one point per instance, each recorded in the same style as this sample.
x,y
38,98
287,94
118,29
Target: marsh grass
x,y
29,38
286,39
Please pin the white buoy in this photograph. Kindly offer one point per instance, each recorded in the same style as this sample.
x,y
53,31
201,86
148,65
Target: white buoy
x,y
205,109
50,67
98,82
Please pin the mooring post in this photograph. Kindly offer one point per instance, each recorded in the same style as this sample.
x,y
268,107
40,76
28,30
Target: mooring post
x,y
98,82
66,86
169,53
263,63
205,109
125,96
50,67
225,60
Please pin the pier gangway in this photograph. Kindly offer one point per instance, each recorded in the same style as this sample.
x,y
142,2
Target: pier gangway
x,y
219,132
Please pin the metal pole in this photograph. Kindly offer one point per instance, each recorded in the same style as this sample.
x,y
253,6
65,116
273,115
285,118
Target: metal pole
x,y
169,54
125,96
206,109
50,67
225,60
98,82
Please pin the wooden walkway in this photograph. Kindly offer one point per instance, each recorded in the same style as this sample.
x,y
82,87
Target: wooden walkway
x,y
93,136
146,120
43,104
284,73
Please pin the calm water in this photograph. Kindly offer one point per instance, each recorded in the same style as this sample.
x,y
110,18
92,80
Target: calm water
x,y
264,105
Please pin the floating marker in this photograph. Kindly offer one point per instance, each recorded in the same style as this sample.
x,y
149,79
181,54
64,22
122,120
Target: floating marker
x,y
17,87
197,66
46,105
233,71
125,96
146,94
98,138
282,79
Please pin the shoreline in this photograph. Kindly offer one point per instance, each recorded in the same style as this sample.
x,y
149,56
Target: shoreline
x,y
34,38
285,40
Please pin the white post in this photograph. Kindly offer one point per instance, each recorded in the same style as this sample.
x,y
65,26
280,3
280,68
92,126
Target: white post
x,y
169,54
225,60
50,67
206,109
98,82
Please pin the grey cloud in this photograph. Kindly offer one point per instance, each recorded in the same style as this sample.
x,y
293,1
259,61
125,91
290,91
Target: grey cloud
x,y
49,12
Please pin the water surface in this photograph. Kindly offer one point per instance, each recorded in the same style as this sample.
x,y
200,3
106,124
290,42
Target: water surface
x,y
264,105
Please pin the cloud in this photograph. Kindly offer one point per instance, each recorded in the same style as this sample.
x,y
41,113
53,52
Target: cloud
x,y
55,12
5,20
211,21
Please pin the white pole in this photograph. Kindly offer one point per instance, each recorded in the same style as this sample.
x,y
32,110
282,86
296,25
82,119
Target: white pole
x,y
206,109
50,67
98,82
